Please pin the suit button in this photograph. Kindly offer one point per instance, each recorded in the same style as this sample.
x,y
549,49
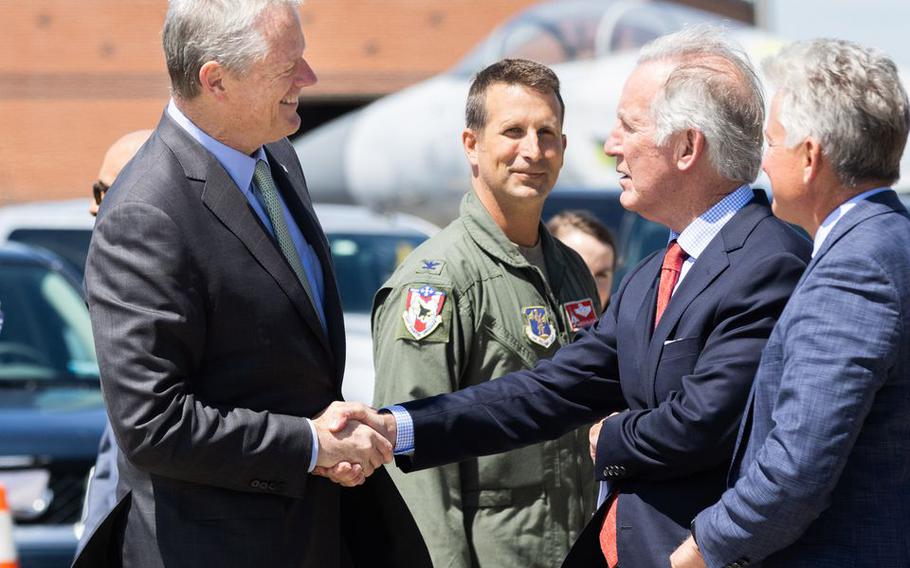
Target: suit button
x,y
272,486
254,484
606,472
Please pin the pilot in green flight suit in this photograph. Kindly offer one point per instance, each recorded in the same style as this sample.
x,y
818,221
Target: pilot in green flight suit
x,y
492,293
488,310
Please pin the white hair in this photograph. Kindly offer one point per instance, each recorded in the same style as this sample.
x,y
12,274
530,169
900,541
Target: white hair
x,y
226,31
712,88
850,98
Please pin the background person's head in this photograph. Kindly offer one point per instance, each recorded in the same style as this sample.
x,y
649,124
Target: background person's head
x,y
237,67
117,156
513,135
838,126
689,126
592,240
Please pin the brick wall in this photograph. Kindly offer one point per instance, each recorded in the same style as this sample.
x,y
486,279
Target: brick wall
x,y
77,74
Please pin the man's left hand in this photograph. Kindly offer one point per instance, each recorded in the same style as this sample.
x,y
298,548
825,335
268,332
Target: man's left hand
x,y
687,555
594,436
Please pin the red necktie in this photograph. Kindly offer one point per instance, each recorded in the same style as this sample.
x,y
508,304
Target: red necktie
x,y
669,276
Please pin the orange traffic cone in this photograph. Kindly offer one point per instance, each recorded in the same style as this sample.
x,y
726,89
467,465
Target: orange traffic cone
x,y
7,548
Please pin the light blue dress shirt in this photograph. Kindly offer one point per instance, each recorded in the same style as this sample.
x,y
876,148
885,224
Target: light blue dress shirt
x,y
240,168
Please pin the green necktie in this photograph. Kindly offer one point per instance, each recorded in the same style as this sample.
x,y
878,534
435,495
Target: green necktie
x,y
268,194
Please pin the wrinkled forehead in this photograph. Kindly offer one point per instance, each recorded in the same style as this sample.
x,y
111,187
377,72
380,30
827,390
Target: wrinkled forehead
x,y
280,28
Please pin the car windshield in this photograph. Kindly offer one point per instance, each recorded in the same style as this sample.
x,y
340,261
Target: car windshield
x,y
46,333
69,244
363,262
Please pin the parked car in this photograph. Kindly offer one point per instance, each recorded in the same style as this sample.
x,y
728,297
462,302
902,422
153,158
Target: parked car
x,y
51,410
366,248
64,227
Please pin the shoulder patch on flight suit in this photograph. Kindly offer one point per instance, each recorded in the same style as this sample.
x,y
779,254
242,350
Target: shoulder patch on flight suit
x,y
538,326
430,266
581,313
423,305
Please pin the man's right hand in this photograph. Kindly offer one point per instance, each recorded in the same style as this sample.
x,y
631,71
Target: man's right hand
x,y
353,441
347,435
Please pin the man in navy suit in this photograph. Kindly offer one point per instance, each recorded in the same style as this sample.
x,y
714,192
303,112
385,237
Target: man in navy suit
x,y
822,465
677,350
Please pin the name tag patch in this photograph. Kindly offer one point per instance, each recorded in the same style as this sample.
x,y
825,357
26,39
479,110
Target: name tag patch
x,y
538,326
423,307
581,314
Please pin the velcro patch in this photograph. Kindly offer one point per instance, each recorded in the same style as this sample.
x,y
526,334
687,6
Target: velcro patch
x,y
538,326
428,266
423,310
581,314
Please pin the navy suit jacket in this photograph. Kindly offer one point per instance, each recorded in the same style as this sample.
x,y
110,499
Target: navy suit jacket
x,y
684,384
823,458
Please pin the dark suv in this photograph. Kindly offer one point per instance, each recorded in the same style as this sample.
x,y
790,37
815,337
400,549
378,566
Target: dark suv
x,y
636,237
51,411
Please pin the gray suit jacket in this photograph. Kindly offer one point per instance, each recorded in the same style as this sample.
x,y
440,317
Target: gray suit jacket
x,y
823,458
211,355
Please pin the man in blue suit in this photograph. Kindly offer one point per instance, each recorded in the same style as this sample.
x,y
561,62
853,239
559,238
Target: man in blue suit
x,y
677,350
822,466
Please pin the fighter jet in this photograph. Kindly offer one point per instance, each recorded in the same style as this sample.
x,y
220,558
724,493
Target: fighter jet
x,y
403,152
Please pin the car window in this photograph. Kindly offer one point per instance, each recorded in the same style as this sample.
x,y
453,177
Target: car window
x,y
636,237
46,332
363,262
639,238
69,244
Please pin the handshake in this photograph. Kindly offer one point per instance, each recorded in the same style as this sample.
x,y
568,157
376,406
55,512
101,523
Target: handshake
x,y
354,439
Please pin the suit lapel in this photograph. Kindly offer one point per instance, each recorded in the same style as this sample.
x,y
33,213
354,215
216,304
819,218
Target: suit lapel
x,y
225,200
647,307
293,189
711,264
884,202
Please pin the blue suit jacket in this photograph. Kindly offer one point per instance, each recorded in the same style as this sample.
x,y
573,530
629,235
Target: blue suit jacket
x,y
685,386
823,459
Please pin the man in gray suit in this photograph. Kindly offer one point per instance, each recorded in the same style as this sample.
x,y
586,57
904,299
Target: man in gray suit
x,y
822,466
218,325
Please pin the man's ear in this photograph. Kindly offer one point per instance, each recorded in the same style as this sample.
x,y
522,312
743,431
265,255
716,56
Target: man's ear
x,y
211,78
469,141
690,145
810,152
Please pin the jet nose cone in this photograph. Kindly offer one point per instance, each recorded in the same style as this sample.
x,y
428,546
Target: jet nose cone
x,y
322,154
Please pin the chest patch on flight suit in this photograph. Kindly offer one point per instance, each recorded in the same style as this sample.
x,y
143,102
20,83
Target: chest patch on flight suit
x,y
581,314
538,326
422,311
430,266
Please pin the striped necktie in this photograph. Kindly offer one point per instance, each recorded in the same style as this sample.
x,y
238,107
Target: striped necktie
x,y
268,196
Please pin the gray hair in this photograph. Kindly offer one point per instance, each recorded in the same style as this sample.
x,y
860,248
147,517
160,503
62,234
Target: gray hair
x,y
199,31
850,98
713,89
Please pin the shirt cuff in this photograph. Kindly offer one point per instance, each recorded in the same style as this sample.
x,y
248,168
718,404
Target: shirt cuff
x,y
314,455
404,440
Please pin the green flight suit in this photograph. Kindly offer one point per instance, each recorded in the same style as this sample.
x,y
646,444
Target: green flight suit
x,y
526,507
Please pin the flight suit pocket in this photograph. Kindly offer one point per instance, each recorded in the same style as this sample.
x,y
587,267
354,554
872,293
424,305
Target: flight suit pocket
x,y
502,350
